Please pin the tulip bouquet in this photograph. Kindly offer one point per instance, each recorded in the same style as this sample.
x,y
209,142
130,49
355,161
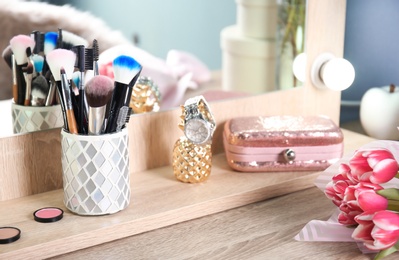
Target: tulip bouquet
x,y
366,192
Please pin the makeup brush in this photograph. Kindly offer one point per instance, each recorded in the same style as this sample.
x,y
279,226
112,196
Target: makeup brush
x,y
38,62
40,86
7,53
91,58
79,50
70,39
14,79
50,99
70,115
57,59
19,44
76,78
98,92
38,37
125,70
50,43
8,57
28,74
40,90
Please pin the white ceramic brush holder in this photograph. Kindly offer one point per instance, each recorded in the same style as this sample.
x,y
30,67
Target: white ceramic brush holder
x,y
95,172
31,118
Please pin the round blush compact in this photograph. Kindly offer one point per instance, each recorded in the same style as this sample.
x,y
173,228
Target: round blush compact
x,y
48,214
9,235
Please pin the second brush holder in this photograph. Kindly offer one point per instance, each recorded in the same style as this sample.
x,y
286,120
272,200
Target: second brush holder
x,y
30,118
95,172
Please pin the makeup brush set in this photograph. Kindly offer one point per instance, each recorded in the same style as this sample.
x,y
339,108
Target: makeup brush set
x,y
45,63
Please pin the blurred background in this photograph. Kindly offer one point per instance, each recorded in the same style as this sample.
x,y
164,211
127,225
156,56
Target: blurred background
x,y
371,36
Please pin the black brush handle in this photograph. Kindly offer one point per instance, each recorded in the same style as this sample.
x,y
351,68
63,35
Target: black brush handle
x,y
62,103
83,121
131,85
117,101
21,83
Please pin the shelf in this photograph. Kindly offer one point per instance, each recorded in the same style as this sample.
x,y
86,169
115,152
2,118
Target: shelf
x,y
157,200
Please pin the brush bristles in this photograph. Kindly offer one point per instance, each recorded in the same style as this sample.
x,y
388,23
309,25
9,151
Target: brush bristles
x,y
96,50
50,42
28,69
38,62
70,39
125,69
99,90
7,55
89,59
61,58
19,44
40,90
76,78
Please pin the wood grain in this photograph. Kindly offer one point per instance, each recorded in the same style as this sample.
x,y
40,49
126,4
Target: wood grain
x,y
158,200
263,230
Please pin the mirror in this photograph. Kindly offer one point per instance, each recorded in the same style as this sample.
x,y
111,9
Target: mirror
x,y
31,162
203,38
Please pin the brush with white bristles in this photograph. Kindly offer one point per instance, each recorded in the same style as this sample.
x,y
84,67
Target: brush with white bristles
x,y
19,45
98,92
70,39
61,59
126,71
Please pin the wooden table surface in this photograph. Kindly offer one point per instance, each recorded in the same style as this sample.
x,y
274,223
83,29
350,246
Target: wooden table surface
x,y
261,230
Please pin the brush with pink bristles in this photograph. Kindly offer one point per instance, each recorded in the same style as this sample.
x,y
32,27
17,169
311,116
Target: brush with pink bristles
x,y
61,63
19,44
98,92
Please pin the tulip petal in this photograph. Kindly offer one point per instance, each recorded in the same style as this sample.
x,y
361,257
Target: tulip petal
x,y
370,201
386,220
384,171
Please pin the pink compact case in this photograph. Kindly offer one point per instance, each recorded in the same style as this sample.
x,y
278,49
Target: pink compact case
x,y
282,143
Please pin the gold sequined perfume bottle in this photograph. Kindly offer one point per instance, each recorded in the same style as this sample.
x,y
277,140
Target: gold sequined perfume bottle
x,y
192,154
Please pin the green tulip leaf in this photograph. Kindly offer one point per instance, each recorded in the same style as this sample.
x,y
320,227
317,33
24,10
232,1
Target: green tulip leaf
x,y
391,193
386,252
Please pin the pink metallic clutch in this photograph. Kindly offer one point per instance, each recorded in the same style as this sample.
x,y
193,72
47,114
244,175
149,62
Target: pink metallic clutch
x,y
282,143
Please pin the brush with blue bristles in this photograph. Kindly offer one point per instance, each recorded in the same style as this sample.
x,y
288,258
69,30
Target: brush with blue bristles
x,y
50,43
126,72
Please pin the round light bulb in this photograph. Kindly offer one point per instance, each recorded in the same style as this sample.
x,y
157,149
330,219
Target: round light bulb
x,y
337,74
299,67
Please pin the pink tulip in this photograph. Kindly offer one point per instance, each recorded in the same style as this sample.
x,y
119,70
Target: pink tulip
x,y
349,207
359,198
335,189
373,165
367,198
378,231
